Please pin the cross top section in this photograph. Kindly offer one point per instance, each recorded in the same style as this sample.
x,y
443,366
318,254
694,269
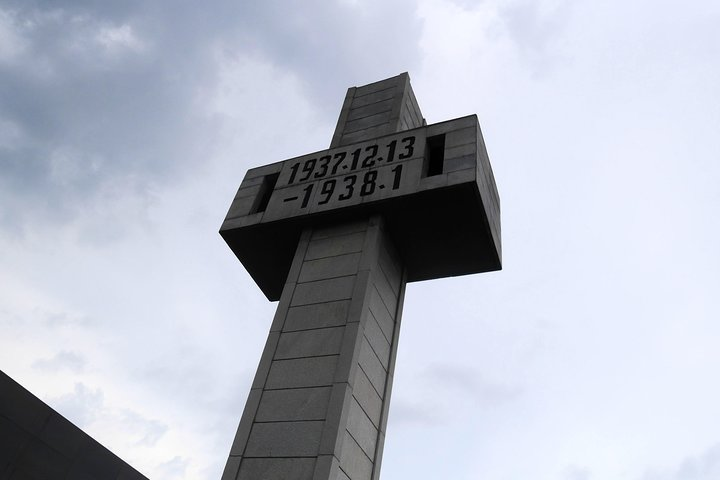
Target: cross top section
x,y
433,185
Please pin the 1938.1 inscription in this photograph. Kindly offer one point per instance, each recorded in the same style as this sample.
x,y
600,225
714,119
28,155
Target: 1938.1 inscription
x,y
343,175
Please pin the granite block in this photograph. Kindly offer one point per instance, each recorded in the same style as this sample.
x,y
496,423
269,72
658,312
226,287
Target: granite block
x,y
329,267
323,291
330,247
310,343
284,439
302,372
362,429
317,315
367,397
277,469
353,460
294,404
377,340
372,367
381,313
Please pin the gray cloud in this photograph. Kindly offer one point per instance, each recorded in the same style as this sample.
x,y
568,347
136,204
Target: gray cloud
x,y
149,431
705,466
406,413
62,360
536,32
80,407
97,95
574,472
174,468
470,382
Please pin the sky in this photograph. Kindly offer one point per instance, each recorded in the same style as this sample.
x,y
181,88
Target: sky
x,y
126,128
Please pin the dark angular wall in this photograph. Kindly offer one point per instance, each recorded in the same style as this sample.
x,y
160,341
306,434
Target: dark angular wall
x,y
36,442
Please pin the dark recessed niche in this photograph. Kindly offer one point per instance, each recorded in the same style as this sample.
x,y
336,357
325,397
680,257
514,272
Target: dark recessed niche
x,y
434,155
266,189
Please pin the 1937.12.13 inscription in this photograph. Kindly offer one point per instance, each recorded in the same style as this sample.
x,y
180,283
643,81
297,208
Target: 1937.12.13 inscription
x,y
345,169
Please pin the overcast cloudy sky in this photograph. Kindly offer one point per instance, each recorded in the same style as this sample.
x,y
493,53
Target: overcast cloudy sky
x,y
126,127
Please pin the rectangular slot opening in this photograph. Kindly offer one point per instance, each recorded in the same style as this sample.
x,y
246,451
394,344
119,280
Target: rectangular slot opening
x,y
434,155
266,188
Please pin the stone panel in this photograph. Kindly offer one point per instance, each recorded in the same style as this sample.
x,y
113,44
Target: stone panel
x,y
367,397
353,460
388,296
329,267
370,109
466,162
345,228
284,439
376,97
317,315
461,137
362,429
372,367
378,342
382,314
302,372
293,404
310,343
363,123
323,291
330,247
277,468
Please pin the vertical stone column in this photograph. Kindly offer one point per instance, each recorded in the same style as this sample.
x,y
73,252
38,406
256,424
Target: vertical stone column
x,y
319,402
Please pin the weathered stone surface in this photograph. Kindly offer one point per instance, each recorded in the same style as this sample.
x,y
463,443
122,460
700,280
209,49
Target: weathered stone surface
x,y
277,468
354,462
293,404
307,343
367,397
329,267
284,439
318,315
301,372
321,291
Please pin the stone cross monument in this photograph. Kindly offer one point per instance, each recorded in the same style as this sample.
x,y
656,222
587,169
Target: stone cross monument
x,y
335,236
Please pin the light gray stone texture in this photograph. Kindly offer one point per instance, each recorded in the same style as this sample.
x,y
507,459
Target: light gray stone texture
x,y
367,397
329,267
362,429
388,296
323,291
377,341
466,162
319,315
372,367
320,385
370,109
277,468
353,460
360,100
461,137
330,247
381,314
284,439
308,343
302,372
293,404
